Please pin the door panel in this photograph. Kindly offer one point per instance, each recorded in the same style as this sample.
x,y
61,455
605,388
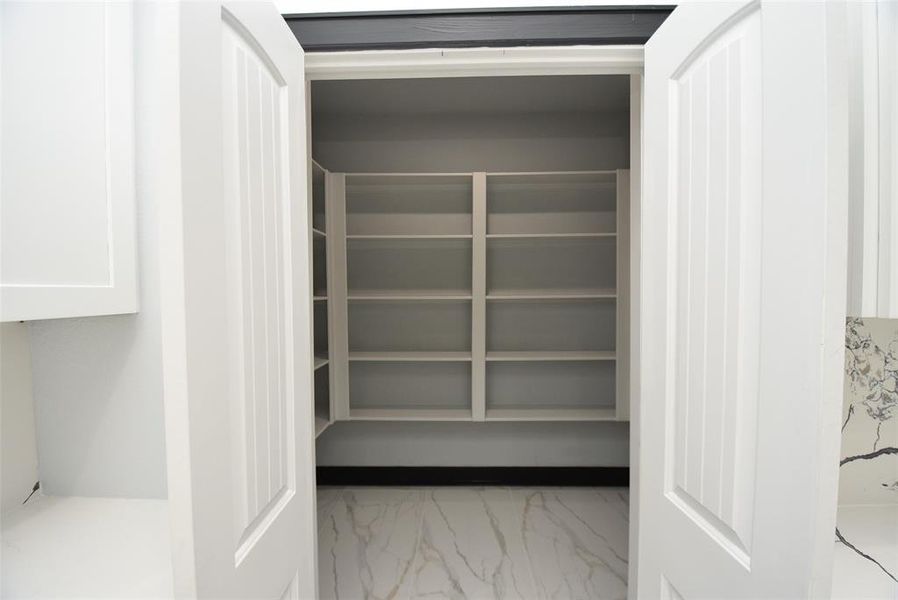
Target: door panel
x,y
717,283
238,339
254,135
743,300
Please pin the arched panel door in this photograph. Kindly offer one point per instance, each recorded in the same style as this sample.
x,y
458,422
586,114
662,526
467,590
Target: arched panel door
x,y
744,280
237,315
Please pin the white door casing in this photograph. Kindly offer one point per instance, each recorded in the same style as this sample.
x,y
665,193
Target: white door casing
x,y
743,300
237,311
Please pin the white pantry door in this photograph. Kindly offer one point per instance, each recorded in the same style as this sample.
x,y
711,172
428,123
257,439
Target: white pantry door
x,y
237,315
743,297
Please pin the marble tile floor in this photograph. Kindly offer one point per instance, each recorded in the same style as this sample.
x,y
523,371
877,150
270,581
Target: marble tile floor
x,y
472,543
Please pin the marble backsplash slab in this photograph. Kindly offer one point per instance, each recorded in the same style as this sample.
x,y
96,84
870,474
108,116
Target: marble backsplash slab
x,y
866,552
869,456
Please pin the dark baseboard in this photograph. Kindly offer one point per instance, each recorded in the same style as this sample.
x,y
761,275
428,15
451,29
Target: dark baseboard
x,y
514,476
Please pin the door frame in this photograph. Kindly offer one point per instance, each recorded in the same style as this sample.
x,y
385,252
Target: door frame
x,y
528,61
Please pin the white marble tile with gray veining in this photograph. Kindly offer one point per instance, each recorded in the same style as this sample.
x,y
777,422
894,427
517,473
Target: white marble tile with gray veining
x,y
471,547
576,539
473,543
367,544
327,498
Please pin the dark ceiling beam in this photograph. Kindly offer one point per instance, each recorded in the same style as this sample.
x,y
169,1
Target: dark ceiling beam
x,y
477,28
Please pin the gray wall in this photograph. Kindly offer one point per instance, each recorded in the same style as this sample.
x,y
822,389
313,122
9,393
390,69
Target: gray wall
x,y
470,141
474,444
98,381
18,449
462,143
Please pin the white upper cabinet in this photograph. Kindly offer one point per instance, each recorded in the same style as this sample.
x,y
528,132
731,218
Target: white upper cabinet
x,y
67,197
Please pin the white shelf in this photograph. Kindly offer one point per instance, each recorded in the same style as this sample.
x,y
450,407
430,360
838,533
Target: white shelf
x,y
408,295
76,547
410,414
552,294
405,174
410,236
550,414
549,235
410,356
545,356
320,361
318,232
605,176
321,424
319,298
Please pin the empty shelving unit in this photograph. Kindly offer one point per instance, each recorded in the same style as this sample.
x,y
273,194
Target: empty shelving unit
x,y
321,313
555,246
477,296
408,272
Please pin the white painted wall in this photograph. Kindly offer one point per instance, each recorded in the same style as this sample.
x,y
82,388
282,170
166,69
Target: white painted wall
x,y
873,176
98,381
483,142
18,447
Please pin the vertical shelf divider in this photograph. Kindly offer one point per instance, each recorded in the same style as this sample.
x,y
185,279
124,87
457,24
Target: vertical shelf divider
x,y
478,299
335,201
622,336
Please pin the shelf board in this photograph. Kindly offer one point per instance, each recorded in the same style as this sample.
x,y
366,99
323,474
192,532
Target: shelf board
x,y
319,298
407,174
318,232
320,361
551,414
408,295
81,547
410,414
553,294
409,236
549,235
422,356
320,425
608,174
549,355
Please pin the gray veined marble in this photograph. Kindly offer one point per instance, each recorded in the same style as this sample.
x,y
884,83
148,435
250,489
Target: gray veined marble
x,y
471,547
327,498
577,542
866,553
473,543
366,546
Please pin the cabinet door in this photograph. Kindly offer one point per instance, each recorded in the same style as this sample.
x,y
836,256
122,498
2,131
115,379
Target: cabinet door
x,y
67,234
743,300
236,288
